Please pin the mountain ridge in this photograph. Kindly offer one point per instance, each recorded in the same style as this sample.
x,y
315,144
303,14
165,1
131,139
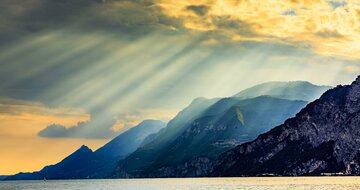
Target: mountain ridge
x,y
191,150
292,90
322,138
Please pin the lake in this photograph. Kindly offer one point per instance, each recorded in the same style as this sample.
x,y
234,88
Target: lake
x,y
251,183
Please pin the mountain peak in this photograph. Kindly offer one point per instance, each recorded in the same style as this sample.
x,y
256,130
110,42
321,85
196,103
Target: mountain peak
x,y
83,149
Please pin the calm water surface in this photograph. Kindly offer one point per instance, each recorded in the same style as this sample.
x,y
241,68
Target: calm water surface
x,y
256,183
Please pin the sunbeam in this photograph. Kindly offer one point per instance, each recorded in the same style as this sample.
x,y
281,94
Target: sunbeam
x,y
83,72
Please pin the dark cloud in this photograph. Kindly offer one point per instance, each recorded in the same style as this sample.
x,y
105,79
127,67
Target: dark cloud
x,y
96,128
36,15
200,10
135,17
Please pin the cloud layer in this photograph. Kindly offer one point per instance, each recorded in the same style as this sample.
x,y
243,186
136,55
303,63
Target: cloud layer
x,y
329,27
290,21
136,18
95,128
123,61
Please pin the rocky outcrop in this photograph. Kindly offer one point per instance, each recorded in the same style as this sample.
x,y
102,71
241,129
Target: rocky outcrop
x,y
324,137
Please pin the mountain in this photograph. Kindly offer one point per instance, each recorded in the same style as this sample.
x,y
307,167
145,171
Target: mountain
x,y
189,143
147,152
121,146
130,140
201,133
64,168
225,124
84,163
296,90
324,137
2,177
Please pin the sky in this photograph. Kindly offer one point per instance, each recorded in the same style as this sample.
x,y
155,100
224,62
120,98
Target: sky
x,y
81,72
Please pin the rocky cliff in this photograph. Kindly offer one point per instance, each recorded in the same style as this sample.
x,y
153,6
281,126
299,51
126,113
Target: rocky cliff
x,y
324,137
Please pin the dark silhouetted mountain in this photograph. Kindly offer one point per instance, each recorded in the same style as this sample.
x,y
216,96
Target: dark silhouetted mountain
x,y
297,90
324,137
2,177
224,125
84,163
67,167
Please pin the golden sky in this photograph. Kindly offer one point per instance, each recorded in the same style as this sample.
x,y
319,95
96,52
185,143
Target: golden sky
x,y
23,150
101,67
330,27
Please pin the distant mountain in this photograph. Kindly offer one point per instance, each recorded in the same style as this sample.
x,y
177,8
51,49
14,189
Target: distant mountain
x,y
129,141
206,128
222,126
160,142
2,177
324,137
296,90
84,163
